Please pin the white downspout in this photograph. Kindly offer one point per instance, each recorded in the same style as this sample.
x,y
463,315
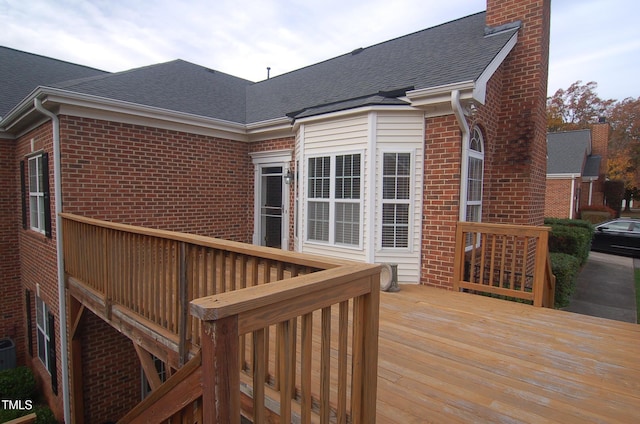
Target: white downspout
x,y
62,300
464,169
573,193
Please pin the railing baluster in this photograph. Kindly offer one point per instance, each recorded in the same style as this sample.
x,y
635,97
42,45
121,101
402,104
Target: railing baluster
x,y
286,349
343,325
325,366
305,367
259,376
151,275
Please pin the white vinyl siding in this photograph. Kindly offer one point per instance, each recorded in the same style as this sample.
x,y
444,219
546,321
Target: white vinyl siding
x,y
400,133
342,137
369,134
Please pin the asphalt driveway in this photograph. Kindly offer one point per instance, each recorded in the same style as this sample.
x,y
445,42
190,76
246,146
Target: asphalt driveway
x,y
605,288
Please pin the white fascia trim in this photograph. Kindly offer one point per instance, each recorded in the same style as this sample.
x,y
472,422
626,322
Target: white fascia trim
x,y
348,112
563,176
56,96
480,90
440,94
103,103
270,156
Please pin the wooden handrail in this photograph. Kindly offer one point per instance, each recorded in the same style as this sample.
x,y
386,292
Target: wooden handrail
x,y
227,316
504,259
278,255
252,312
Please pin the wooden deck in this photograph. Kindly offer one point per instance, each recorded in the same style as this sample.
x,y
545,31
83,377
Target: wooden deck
x,y
447,357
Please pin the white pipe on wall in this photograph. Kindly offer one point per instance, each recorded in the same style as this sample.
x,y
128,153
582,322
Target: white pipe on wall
x,y
62,300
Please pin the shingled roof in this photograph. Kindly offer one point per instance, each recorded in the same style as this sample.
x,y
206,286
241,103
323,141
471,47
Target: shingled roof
x,y
177,85
449,53
567,151
22,72
458,51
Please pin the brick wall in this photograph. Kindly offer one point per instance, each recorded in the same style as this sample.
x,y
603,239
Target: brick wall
x,y
513,123
110,371
558,196
38,266
156,178
135,175
519,157
441,198
11,316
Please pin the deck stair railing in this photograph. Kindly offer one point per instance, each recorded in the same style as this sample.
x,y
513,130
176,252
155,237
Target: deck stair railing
x,y
265,332
506,260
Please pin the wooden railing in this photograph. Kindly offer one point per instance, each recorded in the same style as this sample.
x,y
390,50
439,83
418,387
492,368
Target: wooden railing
x,y
261,319
506,260
307,383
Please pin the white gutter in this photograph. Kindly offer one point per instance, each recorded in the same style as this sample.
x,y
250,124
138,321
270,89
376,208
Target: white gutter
x,y
62,300
464,169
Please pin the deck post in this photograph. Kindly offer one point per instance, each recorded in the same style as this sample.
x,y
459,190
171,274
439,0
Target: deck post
x,y
221,371
539,274
365,355
75,359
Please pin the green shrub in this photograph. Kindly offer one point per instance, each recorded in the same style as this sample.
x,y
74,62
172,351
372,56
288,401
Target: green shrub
x,y
44,415
20,384
17,383
570,236
597,214
565,267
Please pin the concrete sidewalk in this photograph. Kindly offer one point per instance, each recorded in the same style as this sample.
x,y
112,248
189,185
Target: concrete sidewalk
x,y
605,288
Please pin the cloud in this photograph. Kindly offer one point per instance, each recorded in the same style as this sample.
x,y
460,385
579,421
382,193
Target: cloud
x,y
590,39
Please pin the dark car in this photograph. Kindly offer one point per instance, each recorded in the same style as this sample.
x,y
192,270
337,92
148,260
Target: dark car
x,y
620,236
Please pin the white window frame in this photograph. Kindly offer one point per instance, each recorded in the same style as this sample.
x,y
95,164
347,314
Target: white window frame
x,y
332,201
410,201
473,154
43,337
36,194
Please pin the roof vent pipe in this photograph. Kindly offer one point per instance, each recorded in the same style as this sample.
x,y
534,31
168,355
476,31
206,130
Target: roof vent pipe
x,y
268,71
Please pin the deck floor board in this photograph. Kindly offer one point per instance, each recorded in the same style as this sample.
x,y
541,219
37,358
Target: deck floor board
x,y
457,357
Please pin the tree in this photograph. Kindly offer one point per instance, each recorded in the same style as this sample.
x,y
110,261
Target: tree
x,y
621,168
576,108
624,146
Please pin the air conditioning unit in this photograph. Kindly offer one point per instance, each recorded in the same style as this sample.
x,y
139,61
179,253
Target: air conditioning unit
x,y
389,278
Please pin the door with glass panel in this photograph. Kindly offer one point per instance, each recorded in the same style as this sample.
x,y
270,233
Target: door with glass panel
x,y
271,206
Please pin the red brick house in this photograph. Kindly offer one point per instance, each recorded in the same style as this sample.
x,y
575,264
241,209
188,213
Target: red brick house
x,y
373,155
576,169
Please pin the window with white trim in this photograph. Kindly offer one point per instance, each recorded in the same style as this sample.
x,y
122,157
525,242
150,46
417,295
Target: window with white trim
x,y
396,194
44,338
36,194
334,196
475,178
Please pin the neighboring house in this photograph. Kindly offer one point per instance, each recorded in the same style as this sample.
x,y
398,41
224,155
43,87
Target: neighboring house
x,y
373,156
576,168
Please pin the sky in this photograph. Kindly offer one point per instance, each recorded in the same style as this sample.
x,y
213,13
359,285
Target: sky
x,y
591,40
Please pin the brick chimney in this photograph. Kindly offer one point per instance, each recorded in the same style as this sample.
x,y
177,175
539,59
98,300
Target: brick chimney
x,y
519,149
600,142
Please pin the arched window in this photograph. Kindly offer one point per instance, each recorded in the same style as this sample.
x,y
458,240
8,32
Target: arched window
x,y
475,172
